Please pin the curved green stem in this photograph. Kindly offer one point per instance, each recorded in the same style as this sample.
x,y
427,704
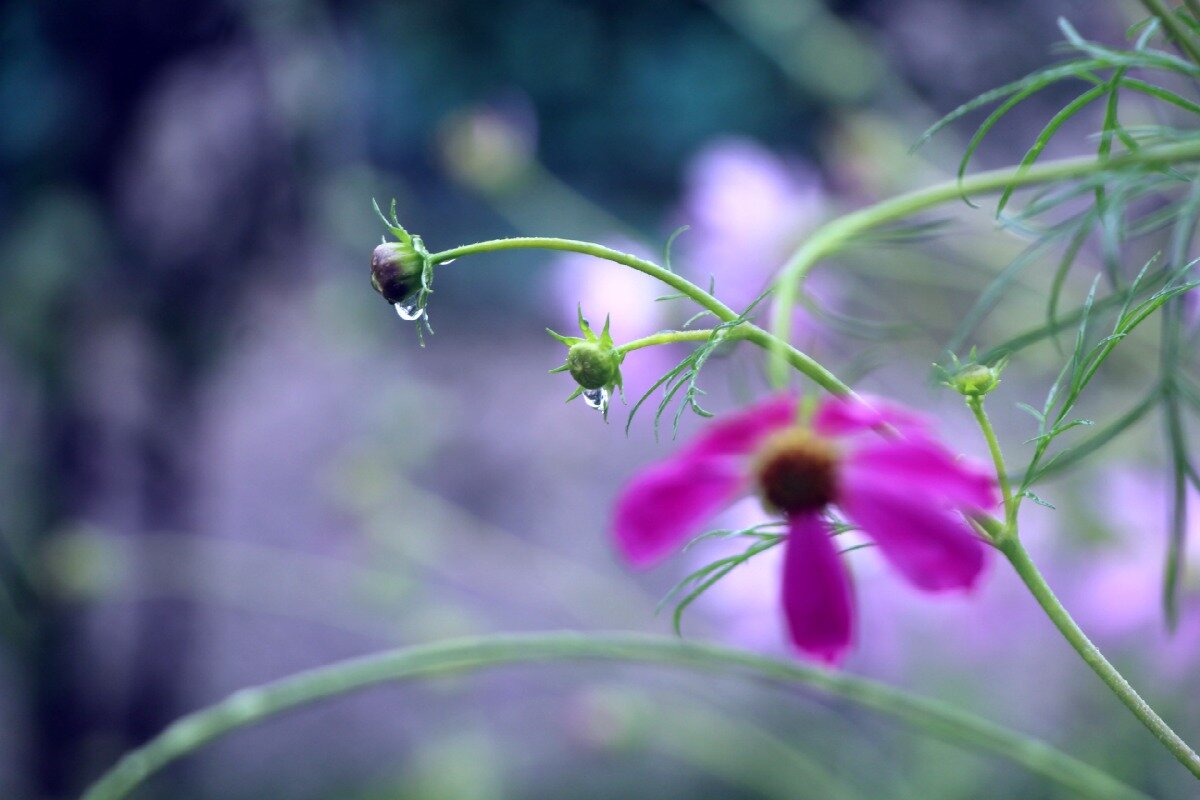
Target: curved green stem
x,y
830,238
801,361
670,337
797,359
250,706
1006,539
1017,555
989,434
675,281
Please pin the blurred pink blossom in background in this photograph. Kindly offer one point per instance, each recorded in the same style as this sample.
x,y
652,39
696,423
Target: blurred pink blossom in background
x,y
748,209
1116,585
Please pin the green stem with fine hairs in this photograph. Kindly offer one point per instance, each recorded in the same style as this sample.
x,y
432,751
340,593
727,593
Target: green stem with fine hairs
x,y
672,279
831,237
671,337
250,706
1007,540
752,333
1016,554
975,403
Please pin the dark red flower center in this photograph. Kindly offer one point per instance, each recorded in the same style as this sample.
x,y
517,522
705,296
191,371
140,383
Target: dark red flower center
x,y
797,471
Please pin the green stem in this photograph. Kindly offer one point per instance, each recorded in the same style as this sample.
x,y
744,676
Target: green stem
x,y
675,281
250,706
1006,539
801,361
830,238
670,337
1015,552
797,359
1176,435
1177,32
975,403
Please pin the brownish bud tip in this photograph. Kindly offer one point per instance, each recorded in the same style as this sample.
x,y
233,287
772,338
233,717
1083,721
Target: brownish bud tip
x,y
395,271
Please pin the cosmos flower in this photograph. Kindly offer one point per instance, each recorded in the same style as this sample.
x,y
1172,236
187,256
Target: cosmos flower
x,y
875,461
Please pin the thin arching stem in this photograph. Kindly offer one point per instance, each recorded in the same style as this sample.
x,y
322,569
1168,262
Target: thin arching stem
x,y
834,235
250,706
989,434
1008,541
672,337
1015,552
752,333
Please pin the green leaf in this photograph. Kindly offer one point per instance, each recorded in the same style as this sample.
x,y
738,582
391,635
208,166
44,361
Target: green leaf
x,y
1037,80
1145,58
671,243
1070,457
707,577
393,224
1047,133
1161,93
1043,332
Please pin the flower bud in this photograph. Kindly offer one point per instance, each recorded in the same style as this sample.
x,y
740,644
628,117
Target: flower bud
x,y
594,362
593,365
975,380
396,271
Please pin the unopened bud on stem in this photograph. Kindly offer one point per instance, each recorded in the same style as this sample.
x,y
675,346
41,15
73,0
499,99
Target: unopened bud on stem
x,y
975,380
396,271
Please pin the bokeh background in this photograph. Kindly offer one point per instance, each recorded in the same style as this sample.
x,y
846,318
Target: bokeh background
x,y
223,459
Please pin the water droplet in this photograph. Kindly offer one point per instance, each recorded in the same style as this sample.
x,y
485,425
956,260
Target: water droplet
x,y
409,310
596,398
448,261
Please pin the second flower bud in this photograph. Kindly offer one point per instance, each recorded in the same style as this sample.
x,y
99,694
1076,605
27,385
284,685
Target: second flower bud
x,y
594,362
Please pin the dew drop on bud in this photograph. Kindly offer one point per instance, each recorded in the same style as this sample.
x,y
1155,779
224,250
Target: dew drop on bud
x,y
596,398
409,310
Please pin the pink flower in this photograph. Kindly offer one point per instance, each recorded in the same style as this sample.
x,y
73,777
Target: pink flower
x,y
876,461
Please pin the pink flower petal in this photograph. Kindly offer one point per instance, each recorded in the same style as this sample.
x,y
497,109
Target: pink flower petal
x,y
668,502
924,466
840,416
741,432
817,599
933,548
